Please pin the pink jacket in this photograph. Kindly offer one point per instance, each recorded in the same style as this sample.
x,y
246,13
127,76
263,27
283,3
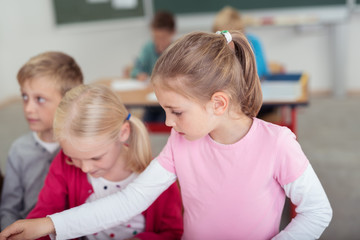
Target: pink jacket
x,y
66,186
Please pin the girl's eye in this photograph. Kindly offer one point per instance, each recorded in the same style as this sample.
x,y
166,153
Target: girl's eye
x,y
96,158
25,97
177,113
40,99
69,160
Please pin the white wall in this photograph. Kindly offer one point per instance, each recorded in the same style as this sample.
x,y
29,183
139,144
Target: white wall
x,y
27,28
104,48
353,69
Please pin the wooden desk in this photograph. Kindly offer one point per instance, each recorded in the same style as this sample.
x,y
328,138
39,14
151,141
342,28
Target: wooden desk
x,y
131,98
138,98
288,105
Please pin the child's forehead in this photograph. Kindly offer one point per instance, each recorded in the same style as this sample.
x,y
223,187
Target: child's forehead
x,y
94,144
176,84
173,98
44,84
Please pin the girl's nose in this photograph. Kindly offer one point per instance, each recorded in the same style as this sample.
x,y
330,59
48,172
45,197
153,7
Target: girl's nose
x,y
169,122
85,167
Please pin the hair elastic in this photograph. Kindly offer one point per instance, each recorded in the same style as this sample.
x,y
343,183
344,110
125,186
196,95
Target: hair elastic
x,y
226,34
128,116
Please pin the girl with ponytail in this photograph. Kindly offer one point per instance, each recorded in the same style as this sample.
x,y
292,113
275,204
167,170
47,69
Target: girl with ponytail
x,y
104,149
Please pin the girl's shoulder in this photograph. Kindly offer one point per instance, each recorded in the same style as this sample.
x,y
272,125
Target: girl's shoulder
x,y
271,128
273,134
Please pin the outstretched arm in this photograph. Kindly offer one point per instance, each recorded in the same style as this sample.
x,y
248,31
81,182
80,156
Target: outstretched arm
x,y
164,217
101,214
28,229
117,208
313,210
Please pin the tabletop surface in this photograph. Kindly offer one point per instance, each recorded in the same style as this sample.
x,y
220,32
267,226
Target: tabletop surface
x,y
275,92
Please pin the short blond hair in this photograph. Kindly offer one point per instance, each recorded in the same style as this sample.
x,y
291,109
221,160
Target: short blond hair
x,y
200,64
90,111
228,18
59,67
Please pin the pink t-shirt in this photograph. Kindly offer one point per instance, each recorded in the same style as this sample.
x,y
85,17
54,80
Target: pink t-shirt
x,y
234,191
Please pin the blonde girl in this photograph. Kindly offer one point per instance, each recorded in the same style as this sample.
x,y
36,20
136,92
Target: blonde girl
x,y
104,148
234,170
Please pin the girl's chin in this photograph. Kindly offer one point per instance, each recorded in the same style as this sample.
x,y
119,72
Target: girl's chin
x,y
189,138
95,174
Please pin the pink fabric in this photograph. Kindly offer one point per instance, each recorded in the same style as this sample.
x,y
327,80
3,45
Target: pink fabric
x,y
234,191
66,186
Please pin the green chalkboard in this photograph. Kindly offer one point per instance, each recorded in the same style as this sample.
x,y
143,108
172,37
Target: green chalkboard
x,y
203,6
75,11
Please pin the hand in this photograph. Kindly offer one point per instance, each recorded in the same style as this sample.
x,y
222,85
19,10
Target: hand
x,y
28,229
142,77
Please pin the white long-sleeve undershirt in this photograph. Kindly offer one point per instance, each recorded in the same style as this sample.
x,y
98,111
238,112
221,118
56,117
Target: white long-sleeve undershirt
x,y
313,208
116,208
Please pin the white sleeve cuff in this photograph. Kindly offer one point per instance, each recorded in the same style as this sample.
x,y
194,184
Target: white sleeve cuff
x,y
115,209
313,210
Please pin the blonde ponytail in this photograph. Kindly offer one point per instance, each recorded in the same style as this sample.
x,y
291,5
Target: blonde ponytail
x,y
139,145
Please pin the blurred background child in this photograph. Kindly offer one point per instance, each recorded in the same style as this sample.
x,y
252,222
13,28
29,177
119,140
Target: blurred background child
x,y
104,148
43,81
163,28
230,19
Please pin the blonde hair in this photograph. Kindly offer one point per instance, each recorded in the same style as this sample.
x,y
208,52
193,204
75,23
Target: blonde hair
x,y
58,66
90,111
200,64
228,19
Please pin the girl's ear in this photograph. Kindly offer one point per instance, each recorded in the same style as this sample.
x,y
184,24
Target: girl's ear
x,y
124,132
220,102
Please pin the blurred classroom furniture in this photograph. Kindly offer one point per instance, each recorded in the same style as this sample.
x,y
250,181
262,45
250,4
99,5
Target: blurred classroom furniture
x,y
276,67
287,92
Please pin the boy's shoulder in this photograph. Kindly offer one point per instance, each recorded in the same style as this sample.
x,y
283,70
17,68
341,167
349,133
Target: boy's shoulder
x,y
23,141
149,46
26,153
25,145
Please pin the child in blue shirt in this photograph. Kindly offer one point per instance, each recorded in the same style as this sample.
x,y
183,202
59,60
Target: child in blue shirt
x,y
229,18
162,30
